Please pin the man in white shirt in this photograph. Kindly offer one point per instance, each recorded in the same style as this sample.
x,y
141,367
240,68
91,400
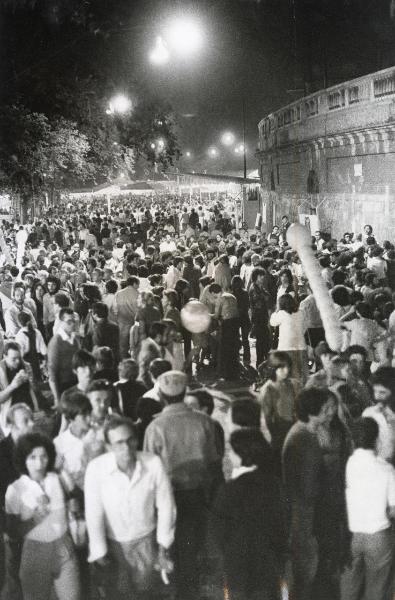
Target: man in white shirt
x,y
168,245
383,412
370,497
130,513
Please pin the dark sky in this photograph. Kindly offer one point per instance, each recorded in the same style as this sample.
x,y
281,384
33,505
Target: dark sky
x,y
259,50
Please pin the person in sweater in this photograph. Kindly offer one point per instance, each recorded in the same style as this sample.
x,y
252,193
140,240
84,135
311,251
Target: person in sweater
x,y
61,350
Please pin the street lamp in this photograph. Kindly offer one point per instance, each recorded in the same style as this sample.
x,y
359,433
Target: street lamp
x,y
120,104
185,36
188,154
213,152
227,138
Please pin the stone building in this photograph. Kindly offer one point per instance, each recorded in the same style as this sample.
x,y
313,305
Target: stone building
x,y
332,154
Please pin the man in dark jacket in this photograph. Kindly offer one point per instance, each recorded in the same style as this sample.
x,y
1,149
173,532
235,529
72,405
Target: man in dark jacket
x,y
105,332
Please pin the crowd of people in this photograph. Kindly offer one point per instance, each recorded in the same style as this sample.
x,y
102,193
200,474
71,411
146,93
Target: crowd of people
x,y
125,473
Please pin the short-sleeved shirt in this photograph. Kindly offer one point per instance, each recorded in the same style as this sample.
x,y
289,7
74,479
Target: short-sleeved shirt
x,y
370,490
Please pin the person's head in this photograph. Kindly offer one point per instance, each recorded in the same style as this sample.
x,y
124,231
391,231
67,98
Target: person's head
x,y
169,299
111,286
133,282
19,420
357,356
340,295
287,303
77,410
121,438
67,320
383,382
158,332
83,365
370,280
215,290
53,284
99,311
157,367
12,355
201,400
128,369
34,455
325,262
100,395
19,293
249,448
316,406
237,283
172,386
280,365
364,310
244,413
258,275
62,300
367,434
24,319
341,367
104,358
285,277
368,229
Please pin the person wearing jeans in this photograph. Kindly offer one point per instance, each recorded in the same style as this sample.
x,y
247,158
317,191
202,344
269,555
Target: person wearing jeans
x,y
370,495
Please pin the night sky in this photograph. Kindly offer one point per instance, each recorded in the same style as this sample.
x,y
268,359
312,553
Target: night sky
x,y
268,52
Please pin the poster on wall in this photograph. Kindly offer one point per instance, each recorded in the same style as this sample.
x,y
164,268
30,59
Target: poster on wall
x,y
310,222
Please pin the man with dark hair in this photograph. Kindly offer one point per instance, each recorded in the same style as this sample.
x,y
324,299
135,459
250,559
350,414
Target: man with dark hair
x,y
303,473
185,440
383,412
105,332
370,496
15,383
125,309
128,389
152,347
61,350
130,514
53,286
12,325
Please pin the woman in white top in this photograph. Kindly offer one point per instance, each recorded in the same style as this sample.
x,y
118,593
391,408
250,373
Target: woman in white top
x,y
36,517
291,335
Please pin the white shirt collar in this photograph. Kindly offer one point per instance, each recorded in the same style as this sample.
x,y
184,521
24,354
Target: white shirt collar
x,y
238,471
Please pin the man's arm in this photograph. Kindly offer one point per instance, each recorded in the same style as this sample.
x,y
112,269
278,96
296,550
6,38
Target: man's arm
x,y
94,514
166,507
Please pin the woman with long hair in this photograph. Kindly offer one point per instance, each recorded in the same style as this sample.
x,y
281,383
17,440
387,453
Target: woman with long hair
x,y
36,519
277,398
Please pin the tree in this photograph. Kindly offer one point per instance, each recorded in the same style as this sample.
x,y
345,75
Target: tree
x,y
36,155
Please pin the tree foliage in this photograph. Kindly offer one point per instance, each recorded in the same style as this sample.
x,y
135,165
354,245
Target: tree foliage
x,y
69,65
36,154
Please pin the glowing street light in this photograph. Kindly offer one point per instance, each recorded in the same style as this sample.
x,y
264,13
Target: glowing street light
x,y
161,144
153,146
227,138
213,152
120,104
160,54
188,154
185,36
